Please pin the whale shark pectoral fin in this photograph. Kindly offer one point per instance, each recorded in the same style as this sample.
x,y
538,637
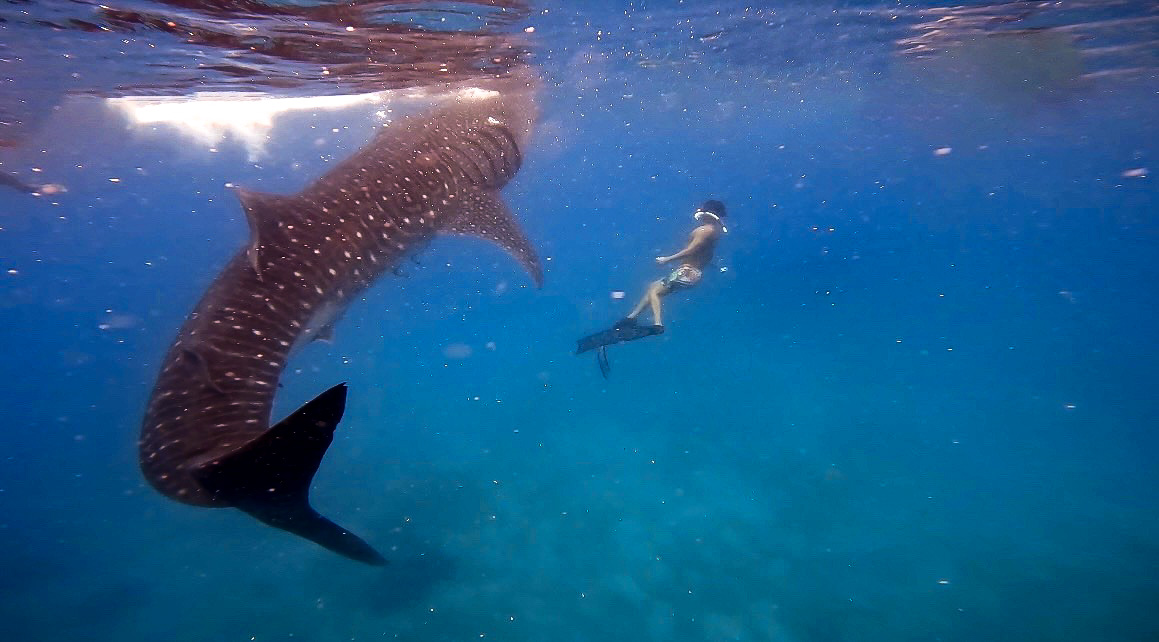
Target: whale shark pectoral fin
x,y
484,215
269,478
262,211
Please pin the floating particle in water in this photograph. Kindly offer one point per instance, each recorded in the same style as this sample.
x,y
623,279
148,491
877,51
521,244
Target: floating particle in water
x,y
943,151
618,294
457,351
117,321
1137,172
490,345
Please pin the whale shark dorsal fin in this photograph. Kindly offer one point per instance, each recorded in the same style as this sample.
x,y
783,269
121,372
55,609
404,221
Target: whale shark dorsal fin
x,y
262,211
485,216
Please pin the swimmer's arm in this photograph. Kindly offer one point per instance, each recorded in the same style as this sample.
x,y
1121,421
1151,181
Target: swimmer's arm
x,y
9,180
700,236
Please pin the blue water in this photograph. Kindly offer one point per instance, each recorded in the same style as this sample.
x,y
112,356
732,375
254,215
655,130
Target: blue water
x,y
913,399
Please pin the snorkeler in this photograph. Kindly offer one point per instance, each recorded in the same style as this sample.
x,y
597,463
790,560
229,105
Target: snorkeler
x,y
693,259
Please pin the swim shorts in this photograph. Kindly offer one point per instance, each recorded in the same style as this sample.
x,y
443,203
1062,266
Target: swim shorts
x,y
682,277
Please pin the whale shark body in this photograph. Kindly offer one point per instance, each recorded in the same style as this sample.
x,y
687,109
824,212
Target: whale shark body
x,y
206,439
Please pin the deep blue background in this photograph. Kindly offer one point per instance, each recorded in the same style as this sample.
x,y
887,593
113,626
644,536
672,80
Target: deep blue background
x,y
918,404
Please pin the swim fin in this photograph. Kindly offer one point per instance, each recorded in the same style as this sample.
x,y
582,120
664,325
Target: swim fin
x,y
602,359
624,330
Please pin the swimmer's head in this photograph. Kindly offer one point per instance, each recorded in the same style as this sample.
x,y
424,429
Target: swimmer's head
x,y
712,207
713,211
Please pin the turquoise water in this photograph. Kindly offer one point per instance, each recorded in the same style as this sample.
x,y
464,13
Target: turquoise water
x,y
912,400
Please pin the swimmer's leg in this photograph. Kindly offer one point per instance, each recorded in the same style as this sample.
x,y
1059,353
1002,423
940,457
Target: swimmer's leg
x,y
644,300
657,290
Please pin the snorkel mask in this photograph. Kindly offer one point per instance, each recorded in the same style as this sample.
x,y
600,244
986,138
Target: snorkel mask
x,y
699,214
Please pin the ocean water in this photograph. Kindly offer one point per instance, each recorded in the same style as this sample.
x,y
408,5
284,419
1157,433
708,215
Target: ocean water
x,y
913,398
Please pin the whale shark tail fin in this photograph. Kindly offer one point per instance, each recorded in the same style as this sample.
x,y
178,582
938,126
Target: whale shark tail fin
x,y
269,478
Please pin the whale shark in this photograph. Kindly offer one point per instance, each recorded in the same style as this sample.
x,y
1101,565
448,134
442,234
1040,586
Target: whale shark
x,y
206,438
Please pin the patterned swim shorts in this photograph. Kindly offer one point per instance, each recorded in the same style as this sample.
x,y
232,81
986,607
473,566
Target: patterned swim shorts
x,y
682,277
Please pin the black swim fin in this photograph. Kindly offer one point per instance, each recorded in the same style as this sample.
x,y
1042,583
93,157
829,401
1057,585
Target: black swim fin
x,y
269,478
623,330
602,359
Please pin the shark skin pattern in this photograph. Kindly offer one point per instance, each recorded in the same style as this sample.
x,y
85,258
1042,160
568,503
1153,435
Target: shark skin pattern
x,y
206,438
